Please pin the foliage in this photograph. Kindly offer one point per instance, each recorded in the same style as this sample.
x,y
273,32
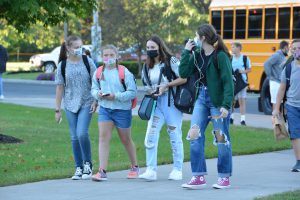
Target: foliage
x,y
46,77
46,152
22,14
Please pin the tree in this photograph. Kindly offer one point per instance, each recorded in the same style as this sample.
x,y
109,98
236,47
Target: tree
x,y
22,14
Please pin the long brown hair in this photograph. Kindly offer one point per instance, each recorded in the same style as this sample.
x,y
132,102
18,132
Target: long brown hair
x,y
163,51
212,38
63,48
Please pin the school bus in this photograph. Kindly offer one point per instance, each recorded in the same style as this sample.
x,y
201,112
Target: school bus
x,y
259,25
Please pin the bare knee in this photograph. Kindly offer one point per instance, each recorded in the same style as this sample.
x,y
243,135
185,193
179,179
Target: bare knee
x,y
194,132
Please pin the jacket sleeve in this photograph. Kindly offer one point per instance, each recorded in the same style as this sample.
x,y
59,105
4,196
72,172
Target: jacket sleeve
x,y
226,77
186,66
131,91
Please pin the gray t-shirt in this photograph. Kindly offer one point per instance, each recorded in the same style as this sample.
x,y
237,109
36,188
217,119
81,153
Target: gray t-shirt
x,y
77,90
293,94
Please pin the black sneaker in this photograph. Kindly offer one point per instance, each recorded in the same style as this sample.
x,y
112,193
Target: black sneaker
x,y
87,170
231,121
78,174
243,123
296,168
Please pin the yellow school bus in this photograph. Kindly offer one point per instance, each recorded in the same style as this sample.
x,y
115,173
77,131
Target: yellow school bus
x,y
259,25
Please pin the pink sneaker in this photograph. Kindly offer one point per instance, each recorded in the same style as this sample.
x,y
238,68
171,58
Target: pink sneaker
x,y
222,183
197,182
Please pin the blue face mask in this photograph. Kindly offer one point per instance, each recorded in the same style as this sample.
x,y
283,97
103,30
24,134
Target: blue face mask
x,y
198,43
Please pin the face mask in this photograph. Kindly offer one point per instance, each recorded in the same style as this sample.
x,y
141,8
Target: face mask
x,y
77,52
284,53
152,53
296,54
198,43
109,61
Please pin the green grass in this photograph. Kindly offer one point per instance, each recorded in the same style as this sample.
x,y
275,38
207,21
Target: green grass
x,y
293,195
46,151
27,76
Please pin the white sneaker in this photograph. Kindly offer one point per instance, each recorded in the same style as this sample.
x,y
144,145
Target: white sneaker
x,y
77,174
1,97
149,175
175,175
87,171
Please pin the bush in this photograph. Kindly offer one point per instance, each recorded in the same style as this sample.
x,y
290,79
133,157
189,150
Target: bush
x,y
46,77
132,66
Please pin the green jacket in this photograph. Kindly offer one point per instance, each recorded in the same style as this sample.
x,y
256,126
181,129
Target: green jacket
x,y
219,80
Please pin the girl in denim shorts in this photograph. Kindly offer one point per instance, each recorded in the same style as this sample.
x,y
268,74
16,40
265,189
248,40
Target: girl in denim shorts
x,y
115,110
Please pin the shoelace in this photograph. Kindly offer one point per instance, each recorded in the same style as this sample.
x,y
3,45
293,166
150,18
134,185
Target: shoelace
x,y
194,178
86,168
222,180
78,171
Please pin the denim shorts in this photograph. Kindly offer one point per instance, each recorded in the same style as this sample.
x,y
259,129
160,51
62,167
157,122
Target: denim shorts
x,y
120,118
293,115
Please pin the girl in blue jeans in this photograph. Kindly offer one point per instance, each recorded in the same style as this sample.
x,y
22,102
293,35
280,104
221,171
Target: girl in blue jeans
x,y
74,87
214,100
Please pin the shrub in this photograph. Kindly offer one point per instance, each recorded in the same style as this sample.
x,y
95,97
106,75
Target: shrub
x,y
46,77
132,66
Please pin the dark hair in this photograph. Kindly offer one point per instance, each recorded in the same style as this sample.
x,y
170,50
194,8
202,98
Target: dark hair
x,y
212,38
163,51
88,53
63,48
283,44
295,41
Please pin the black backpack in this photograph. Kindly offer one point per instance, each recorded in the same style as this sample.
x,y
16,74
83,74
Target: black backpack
x,y
86,63
185,94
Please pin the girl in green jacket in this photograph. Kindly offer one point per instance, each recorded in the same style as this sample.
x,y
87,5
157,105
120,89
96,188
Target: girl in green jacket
x,y
214,100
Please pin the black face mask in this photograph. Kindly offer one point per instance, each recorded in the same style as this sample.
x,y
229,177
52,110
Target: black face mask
x,y
284,53
152,53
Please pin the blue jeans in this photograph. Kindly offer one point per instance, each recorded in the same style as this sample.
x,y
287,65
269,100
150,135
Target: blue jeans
x,y
173,118
200,118
79,125
1,85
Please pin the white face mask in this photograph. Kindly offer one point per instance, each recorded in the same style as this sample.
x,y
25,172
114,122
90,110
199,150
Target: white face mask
x,y
77,52
109,61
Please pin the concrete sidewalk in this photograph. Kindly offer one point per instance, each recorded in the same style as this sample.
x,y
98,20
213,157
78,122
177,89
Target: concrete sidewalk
x,y
253,176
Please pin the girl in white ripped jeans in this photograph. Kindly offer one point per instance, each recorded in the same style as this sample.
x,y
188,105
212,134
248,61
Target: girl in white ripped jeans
x,y
160,57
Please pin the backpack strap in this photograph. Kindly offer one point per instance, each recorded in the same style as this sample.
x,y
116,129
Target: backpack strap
x,y
121,71
99,74
288,71
63,69
245,61
146,75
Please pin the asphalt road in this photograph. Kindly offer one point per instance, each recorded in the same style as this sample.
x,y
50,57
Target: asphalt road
x,y
15,90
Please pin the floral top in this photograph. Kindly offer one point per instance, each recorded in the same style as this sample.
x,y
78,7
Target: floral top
x,y
77,84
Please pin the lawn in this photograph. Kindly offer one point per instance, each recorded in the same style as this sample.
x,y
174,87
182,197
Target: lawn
x,y
46,150
293,195
26,75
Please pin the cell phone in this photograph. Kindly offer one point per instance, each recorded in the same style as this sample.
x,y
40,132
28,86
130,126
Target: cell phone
x,y
105,94
193,42
60,120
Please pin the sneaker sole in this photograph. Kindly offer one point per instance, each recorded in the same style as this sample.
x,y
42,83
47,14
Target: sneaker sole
x,y
98,180
76,179
148,179
220,187
174,179
86,177
194,187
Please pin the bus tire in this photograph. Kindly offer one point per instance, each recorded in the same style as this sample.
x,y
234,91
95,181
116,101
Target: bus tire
x,y
265,97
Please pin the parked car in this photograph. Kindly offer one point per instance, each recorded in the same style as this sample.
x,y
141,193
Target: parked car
x,y
48,61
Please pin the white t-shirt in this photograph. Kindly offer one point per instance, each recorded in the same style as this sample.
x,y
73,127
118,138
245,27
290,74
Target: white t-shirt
x,y
238,63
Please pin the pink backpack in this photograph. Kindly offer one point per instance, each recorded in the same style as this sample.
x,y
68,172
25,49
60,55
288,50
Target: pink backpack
x,y
121,70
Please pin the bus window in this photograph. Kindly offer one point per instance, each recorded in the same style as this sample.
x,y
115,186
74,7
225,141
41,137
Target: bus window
x,y
254,23
240,24
296,25
270,22
284,23
216,21
228,24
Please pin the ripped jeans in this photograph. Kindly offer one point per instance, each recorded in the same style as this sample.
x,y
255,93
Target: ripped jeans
x,y
173,118
202,113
